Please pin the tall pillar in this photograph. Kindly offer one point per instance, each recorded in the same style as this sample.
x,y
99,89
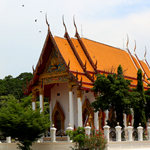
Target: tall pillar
x,y
70,109
79,107
50,110
34,101
106,118
96,120
41,100
125,120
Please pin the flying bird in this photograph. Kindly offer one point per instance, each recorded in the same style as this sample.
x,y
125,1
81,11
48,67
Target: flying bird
x,y
35,20
22,5
39,31
40,11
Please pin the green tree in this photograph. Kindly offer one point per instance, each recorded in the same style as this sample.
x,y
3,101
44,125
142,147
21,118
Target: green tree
x,y
113,93
147,97
14,86
138,106
18,120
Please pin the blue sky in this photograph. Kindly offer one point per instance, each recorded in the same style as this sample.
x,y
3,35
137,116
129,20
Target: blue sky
x,y
106,21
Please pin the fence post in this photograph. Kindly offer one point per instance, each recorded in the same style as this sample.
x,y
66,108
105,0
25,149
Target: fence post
x,y
69,129
87,129
118,132
129,128
8,139
140,132
106,131
53,134
148,129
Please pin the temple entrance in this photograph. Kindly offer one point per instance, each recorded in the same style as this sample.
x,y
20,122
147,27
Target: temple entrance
x,y
58,118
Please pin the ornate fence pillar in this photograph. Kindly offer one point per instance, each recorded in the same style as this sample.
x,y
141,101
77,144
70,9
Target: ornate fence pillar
x,y
70,109
87,129
140,132
118,132
8,139
106,131
129,128
148,129
79,107
69,129
53,134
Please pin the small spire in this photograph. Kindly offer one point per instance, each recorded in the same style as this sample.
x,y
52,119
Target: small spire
x,y
75,24
127,41
139,124
118,123
145,53
53,125
64,23
47,21
106,123
135,47
69,124
129,123
87,124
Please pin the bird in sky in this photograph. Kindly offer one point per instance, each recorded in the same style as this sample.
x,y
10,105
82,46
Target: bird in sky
x,y
35,20
22,5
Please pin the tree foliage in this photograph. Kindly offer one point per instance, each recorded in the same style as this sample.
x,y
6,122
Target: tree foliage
x,y
18,120
113,93
139,103
14,86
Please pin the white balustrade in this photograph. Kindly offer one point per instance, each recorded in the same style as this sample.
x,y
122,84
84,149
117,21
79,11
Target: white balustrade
x,y
87,129
106,131
148,130
8,139
140,132
129,128
69,129
53,134
118,132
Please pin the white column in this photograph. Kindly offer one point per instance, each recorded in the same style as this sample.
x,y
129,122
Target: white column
x,y
132,112
41,100
96,121
79,107
125,120
70,109
129,128
69,129
140,132
8,139
53,134
33,101
106,131
50,111
118,132
106,118
148,129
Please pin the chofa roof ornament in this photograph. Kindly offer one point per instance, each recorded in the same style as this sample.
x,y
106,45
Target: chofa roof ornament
x,y
47,21
127,41
145,54
135,47
75,25
64,23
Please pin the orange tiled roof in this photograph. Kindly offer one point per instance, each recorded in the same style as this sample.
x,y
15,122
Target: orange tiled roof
x,y
82,54
146,69
67,53
109,57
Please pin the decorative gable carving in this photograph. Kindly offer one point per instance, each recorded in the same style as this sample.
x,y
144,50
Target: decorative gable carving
x,y
55,63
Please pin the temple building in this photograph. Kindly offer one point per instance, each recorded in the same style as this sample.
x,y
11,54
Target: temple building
x,y
65,73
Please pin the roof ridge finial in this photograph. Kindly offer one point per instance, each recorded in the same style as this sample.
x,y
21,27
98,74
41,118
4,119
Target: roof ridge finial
x,y
75,24
64,23
47,21
135,47
145,53
127,41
